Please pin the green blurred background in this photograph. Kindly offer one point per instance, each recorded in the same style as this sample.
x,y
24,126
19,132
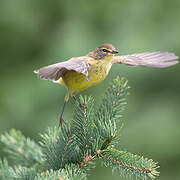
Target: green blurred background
x,y
40,32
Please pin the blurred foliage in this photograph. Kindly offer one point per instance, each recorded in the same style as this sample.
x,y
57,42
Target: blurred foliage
x,y
37,33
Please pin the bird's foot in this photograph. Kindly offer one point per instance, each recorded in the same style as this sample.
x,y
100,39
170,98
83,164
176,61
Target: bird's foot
x,y
61,121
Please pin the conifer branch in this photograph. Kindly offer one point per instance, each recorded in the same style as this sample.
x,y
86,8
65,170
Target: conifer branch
x,y
6,172
69,173
24,173
128,164
66,148
67,153
109,113
20,149
58,147
82,123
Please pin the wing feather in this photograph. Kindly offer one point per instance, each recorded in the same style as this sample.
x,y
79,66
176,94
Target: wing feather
x,y
150,59
55,71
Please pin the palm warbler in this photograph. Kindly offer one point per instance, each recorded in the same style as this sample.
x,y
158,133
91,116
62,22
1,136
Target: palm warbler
x,y
80,73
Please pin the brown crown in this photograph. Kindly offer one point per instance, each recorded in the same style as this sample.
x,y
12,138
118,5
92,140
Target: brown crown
x,y
107,46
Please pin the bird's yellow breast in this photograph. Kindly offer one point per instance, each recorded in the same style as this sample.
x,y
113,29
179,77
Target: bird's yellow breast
x,y
75,81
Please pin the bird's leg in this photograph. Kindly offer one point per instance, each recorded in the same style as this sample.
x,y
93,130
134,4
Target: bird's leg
x,y
61,120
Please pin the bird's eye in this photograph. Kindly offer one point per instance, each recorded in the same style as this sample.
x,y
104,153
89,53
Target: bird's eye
x,y
104,50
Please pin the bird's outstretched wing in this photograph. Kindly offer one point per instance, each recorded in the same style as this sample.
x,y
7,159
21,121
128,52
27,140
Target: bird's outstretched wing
x,y
149,59
55,71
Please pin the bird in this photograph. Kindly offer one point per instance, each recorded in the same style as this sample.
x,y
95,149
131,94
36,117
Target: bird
x,y
80,73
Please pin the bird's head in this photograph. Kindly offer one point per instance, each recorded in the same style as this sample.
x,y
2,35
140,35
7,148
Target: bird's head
x,y
103,51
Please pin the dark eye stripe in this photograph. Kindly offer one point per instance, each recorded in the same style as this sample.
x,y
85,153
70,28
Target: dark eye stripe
x,y
105,50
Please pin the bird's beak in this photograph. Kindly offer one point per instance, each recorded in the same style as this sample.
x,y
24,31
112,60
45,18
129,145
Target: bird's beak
x,y
115,52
